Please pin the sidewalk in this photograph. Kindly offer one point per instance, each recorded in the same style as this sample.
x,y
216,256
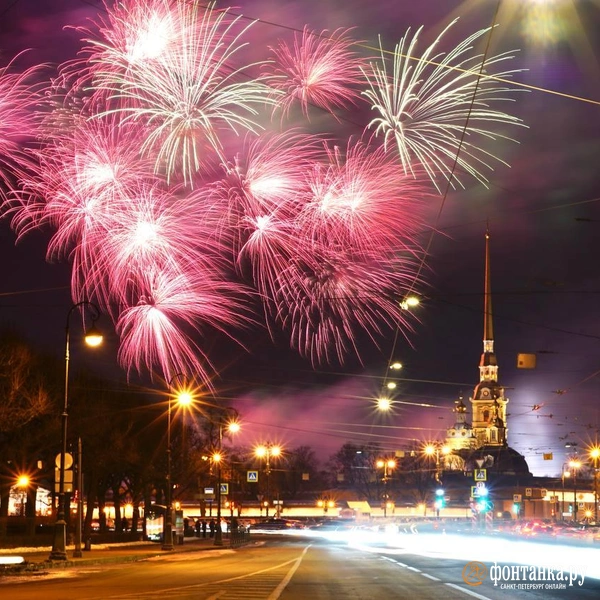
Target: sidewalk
x,y
36,559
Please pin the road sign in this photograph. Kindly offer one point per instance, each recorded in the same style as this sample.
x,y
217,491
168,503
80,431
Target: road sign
x,y
528,492
517,497
252,476
480,474
224,489
480,484
68,460
475,491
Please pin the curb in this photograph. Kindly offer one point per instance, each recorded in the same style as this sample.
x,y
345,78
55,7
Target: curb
x,y
123,557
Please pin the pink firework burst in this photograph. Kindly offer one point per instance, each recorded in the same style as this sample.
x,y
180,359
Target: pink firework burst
x,y
19,123
156,229
188,90
82,173
360,201
320,69
85,175
326,302
261,196
168,309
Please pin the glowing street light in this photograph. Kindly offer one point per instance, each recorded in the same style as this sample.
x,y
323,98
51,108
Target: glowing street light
x,y
232,426
388,465
574,465
409,302
595,456
267,452
184,398
384,404
93,338
23,483
435,450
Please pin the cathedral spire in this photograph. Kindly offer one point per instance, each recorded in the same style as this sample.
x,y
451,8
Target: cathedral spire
x,y
488,327
489,403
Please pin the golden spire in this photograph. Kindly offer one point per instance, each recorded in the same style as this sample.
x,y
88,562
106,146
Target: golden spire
x,y
488,329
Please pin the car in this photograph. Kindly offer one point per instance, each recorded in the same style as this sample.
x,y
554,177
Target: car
x,y
273,524
536,528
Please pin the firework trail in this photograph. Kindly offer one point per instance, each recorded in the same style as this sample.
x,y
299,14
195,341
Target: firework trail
x,y
162,188
85,176
185,90
260,199
158,329
327,300
426,102
355,245
321,70
355,204
20,93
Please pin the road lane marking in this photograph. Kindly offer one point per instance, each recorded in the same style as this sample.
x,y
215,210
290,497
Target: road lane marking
x,y
430,577
466,591
277,591
198,586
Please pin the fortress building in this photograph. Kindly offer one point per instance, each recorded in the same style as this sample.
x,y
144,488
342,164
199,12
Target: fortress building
x,y
484,441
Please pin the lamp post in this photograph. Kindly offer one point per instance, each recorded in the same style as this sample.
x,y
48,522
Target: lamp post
x,y
565,475
184,398
435,450
595,456
233,427
77,553
23,483
574,465
387,465
267,451
93,338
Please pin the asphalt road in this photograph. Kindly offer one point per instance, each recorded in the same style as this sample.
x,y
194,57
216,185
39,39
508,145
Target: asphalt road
x,y
275,567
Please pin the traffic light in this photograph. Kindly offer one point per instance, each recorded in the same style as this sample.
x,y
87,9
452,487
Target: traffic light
x,y
440,500
516,508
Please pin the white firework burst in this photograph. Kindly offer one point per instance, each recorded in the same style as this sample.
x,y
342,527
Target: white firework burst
x,y
438,108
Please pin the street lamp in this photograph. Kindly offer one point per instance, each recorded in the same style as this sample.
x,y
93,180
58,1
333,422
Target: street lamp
x,y
434,450
232,426
565,475
409,302
325,504
93,338
387,465
574,465
184,398
595,456
267,452
23,484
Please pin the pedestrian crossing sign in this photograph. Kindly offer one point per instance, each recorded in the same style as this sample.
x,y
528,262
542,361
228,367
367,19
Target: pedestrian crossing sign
x,y
252,476
480,475
225,489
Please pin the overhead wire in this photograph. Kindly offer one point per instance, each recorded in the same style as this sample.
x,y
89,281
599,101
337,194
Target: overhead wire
x,y
480,75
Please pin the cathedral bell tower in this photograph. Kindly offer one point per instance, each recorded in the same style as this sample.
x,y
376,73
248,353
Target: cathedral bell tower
x,y
488,401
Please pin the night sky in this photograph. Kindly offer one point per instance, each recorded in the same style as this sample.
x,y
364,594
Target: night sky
x,y
543,213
